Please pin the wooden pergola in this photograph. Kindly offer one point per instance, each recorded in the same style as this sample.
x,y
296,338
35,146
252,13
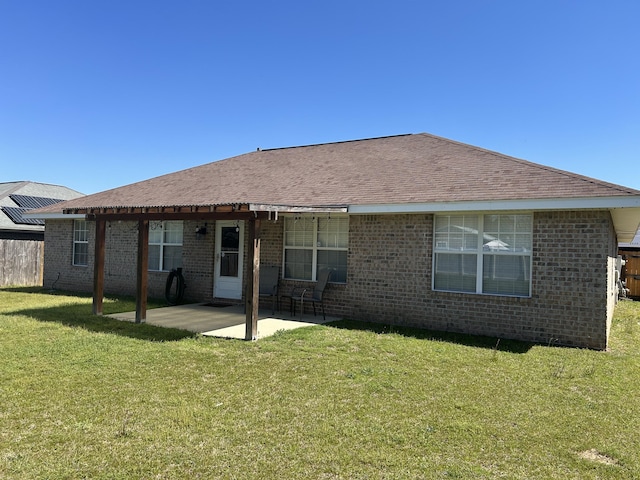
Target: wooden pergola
x,y
253,214
144,215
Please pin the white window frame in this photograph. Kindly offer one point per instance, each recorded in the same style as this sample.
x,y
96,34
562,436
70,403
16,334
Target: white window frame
x,y
80,237
163,243
481,254
314,248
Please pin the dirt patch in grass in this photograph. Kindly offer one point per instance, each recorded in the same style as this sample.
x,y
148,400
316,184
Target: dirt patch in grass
x,y
595,456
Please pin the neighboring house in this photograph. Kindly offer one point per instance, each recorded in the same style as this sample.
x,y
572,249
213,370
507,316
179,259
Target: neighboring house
x,y
22,239
419,231
630,253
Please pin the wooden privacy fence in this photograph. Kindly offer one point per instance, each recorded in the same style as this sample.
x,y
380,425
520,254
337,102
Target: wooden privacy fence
x,y
631,272
21,262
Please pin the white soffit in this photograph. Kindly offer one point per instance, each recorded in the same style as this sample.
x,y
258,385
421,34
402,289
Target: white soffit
x,y
53,216
625,211
592,203
626,222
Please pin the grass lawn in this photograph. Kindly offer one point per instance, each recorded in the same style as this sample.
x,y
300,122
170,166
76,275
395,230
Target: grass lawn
x,y
89,397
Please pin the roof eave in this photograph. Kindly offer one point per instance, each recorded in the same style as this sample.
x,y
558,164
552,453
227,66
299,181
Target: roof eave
x,y
53,216
625,210
590,203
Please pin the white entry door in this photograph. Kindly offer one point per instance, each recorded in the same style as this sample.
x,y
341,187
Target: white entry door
x,y
227,281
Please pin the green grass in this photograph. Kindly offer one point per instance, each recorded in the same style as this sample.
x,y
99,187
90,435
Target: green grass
x,y
89,397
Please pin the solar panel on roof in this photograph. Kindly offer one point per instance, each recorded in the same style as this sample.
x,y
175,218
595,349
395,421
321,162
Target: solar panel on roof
x,y
15,214
29,201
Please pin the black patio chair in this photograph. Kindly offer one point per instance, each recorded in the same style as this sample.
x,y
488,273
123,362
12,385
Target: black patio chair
x,y
305,295
269,279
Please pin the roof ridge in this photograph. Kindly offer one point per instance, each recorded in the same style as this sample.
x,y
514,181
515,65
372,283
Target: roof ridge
x,y
577,176
19,185
335,143
23,183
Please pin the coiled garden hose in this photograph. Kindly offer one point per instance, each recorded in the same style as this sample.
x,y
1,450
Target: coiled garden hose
x,y
173,293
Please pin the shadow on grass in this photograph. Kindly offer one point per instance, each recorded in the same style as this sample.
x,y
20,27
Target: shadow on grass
x,y
80,316
39,290
493,343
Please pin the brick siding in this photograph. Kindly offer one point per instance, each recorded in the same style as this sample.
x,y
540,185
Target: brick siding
x,y
390,281
389,275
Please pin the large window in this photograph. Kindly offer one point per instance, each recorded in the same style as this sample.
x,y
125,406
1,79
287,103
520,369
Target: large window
x,y
312,244
80,243
165,245
483,253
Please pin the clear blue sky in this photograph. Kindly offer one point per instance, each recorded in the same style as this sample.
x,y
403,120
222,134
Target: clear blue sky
x,y
98,94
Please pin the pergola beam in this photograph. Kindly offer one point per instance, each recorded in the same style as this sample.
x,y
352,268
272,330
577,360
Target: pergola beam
x,y
134,217
143,216
207,211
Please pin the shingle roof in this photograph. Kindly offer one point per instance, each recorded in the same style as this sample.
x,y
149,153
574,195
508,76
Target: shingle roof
x,y
415,168
17,198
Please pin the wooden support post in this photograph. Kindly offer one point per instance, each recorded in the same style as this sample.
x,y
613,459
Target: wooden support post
x,y
98,267
142,271
252,297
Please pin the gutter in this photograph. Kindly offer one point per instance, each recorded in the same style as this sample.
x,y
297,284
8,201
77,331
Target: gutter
x,y
590,203
54,216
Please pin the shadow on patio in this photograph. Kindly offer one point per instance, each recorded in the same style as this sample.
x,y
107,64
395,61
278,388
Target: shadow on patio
x,y
226,321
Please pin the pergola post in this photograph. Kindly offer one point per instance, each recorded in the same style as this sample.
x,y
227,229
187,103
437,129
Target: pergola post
x,y
142,271
98,267
252,297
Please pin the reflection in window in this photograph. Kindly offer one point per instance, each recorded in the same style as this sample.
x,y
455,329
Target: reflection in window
x,y
165,245
455,272
312,244
499,245
80,243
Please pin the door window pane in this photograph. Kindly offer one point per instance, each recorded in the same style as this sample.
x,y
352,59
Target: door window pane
x,y
229,250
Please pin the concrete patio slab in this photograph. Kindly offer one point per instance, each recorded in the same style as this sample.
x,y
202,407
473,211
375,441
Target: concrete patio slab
x,y
224,322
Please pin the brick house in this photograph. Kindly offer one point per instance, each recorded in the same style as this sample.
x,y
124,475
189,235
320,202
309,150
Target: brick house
x,y
22,239
419,230
630,272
